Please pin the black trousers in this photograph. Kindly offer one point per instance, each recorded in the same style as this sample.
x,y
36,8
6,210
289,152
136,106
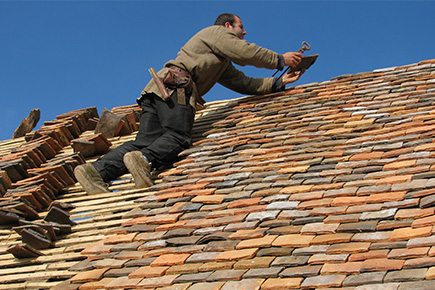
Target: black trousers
x,y
165,130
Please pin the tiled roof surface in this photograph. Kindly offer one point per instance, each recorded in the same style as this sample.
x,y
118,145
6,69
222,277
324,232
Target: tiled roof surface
x,y
325,185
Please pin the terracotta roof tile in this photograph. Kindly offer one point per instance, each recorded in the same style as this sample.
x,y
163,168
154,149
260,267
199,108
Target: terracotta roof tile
x,y
237,254
193,277
382,265
410,233
419,262
163,281
89,276
323,281
101,284
293,240
364,279
430,274
375,254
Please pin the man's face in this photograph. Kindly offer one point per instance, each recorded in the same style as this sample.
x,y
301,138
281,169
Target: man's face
x,y
237,28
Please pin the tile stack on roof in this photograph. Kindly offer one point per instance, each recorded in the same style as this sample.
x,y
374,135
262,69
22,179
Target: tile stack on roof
x,y
32,174
325,185
34,171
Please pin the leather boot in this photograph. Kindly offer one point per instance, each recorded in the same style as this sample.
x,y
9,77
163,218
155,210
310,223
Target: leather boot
x,y
139,167
90,179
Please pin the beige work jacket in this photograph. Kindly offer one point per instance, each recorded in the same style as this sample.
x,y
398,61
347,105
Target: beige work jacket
x,y
209,56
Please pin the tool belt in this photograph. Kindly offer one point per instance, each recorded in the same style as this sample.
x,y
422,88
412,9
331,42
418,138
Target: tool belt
x,y
180,80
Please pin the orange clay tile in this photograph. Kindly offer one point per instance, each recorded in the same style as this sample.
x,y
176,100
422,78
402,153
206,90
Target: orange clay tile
x,y
167,227
310,204
170,260
168,195
399,164
115,239
156,252
281,283
257,262
348,248
424,222
213,266
123,282
247,234
366,156
263,242
348,200
148,271
237,254
382,265
430,274
425,147
394,179
323,281
320,259
184,268
244,202
293,169
344,268
242,284
416,213
408,253
207,191
100,284
385,197
296,189
155,282
375,254
418,262
97,248
89,276
164,218
209,199
410,233
293,240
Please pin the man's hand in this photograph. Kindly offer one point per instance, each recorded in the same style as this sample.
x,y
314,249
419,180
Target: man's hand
x,y
292,58
292,77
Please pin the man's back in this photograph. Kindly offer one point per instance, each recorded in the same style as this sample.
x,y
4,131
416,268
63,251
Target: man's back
x,y
208,54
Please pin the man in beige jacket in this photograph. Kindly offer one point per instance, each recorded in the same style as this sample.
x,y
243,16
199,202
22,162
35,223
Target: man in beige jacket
x,y
169,100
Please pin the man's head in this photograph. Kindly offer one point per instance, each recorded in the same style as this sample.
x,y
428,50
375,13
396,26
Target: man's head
x,y
232,22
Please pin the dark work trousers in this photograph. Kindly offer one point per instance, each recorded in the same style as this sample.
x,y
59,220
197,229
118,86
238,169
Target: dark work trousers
x,y
165,130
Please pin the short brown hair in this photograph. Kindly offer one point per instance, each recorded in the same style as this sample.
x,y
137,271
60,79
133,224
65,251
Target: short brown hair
x,y
224,18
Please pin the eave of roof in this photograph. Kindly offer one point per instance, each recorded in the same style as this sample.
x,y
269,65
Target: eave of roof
x,y
325,185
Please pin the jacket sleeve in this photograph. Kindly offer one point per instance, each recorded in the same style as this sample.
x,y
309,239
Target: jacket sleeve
x,y
236,80
243,53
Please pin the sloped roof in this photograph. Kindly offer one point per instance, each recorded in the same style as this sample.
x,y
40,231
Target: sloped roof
x,y
325,185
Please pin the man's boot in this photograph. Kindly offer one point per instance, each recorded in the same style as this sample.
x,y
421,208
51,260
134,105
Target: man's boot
x,y
90,179
139,167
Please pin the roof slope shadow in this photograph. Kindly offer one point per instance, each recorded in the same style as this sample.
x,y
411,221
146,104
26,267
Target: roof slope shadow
x,y
325,185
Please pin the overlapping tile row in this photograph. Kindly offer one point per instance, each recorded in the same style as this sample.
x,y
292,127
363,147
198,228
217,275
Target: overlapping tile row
x,y
33,173
326,185
37,170
36,162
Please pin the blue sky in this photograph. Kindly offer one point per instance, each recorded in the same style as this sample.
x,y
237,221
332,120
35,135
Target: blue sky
x,y
59,56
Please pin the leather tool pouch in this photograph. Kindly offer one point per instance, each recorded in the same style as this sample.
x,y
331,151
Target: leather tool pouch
x,y
177,78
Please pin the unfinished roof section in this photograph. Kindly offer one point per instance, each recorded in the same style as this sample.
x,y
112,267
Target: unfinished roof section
x,y
325,185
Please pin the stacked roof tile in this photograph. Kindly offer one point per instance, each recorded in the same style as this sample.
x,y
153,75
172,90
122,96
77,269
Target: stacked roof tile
x,y
325,185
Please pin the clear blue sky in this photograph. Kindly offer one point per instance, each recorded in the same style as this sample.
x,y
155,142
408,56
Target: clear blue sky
x,y
59,56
